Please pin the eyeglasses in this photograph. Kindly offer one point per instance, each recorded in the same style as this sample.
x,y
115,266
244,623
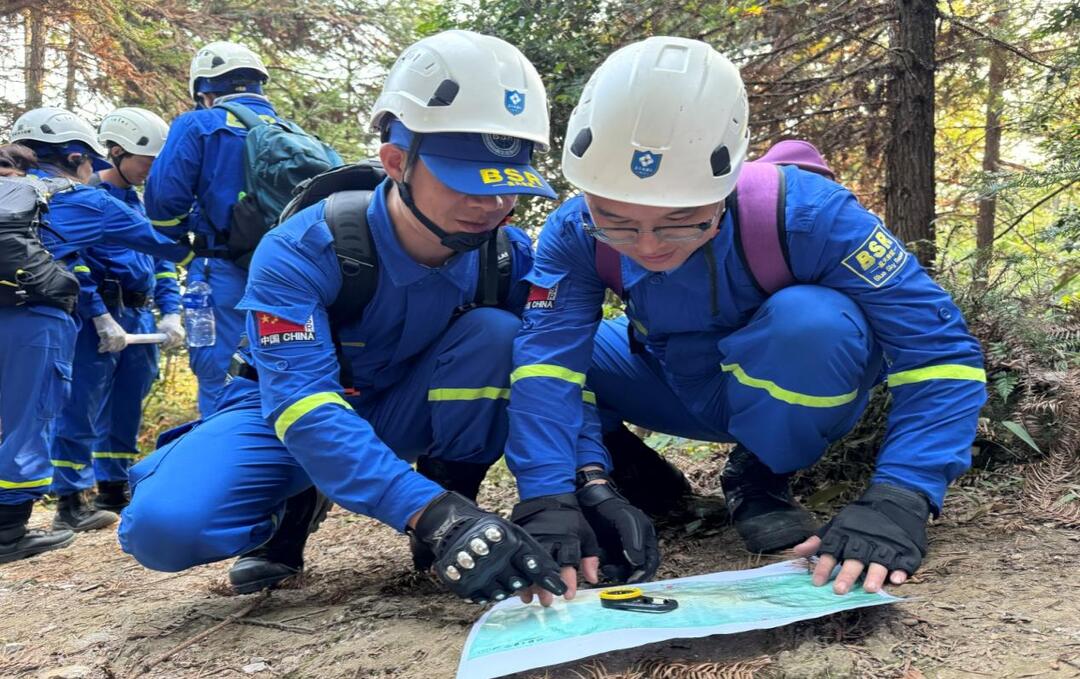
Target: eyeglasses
x,y
625,235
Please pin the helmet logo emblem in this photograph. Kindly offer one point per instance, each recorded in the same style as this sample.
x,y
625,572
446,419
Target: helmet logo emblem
x,y
502,145
514,101
645,163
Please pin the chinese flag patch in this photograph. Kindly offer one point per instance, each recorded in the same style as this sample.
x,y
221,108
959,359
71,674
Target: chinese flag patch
x,y
542,298
276,330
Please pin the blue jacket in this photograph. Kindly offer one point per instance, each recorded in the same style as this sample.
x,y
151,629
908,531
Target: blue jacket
x,y
294,277
934,366
84,217
199,174
134,271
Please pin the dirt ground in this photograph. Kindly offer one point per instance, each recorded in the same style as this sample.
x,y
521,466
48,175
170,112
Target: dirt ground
x,y
997,597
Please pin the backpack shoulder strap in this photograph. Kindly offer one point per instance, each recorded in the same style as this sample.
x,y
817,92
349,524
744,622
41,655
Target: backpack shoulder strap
x,y
609,266
496,264
346,215
760,232
245,115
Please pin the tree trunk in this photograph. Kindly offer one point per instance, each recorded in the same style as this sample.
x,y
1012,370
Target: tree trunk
x,y
35,55
984,225
72,55
909,154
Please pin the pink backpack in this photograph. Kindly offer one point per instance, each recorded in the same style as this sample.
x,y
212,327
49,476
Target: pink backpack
x,y
759,217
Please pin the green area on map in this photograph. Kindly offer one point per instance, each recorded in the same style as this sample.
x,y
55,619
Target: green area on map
x,y
761,601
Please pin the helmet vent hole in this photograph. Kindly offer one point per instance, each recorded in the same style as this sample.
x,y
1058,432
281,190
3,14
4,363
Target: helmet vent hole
x,y
47,130
445,93
218,61
720,161
143,141
581,142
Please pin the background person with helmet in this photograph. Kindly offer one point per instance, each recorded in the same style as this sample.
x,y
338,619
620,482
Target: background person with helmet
x,y
656,145
99,425
196,182
459,115
34,349
35,379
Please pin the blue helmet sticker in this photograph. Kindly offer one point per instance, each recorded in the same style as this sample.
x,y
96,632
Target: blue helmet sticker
x,y
514,101
645,163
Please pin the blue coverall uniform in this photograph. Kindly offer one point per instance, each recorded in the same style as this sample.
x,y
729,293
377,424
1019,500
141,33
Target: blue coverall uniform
x,y
38,342
193,185
784,374
428,384
99,425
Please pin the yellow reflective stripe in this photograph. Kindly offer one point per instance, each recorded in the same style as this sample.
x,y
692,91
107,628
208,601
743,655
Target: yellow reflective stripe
x,y
36,483
14,285
786,395
467,394
640,328
165,274
548,370
168,222
79,268
354,344
303,407
588,397
70,465
115,456
187,260
949,371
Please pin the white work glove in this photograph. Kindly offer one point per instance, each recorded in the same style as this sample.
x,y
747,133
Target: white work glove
x,y
113,337
174,331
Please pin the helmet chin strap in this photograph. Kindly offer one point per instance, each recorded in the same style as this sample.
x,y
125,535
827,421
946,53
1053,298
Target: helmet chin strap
x,y
119,171
458,242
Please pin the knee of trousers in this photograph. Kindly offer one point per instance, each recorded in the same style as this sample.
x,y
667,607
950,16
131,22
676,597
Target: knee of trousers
x,y
485,333
818,320
163,533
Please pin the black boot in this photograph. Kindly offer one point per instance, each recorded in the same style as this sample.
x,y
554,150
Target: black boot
x,y
761,505
282,556
16,542
73,513
461,477
112,496
656,486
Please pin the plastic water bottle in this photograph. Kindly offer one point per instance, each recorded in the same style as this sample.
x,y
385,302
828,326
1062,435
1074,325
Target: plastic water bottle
x,y
198,315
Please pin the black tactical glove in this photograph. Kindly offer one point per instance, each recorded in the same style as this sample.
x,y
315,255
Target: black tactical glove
x,y
481,556
629,552
887,525
557,523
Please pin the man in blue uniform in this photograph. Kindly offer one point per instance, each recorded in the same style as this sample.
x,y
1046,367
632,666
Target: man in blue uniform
x,y
656,145
35,381
98,429
429,378
194,185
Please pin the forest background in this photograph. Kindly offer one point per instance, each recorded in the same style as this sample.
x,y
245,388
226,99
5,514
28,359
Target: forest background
x,y
957,121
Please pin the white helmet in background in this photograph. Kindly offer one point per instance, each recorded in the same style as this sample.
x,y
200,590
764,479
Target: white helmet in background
x,y
460,81
219,58
136,130
662,122
55,126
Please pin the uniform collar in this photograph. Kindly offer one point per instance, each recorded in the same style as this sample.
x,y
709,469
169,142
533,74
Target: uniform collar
x,y
460,270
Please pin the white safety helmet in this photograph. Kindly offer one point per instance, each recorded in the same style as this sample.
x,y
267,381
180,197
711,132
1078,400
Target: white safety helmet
x,y
136,130
662,122
460,81
55,126
219,58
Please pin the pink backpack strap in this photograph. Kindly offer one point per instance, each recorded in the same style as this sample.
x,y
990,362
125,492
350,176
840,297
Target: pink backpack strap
x,y
760,231
609,267
800,153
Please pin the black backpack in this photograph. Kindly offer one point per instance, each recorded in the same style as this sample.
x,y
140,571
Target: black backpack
x,y
348,190
28,272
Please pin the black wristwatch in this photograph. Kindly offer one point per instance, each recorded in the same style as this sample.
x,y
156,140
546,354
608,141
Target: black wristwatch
x,y
584,476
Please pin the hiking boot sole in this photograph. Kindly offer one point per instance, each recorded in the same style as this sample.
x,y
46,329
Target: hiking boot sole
x,y
28,552
101,520
776,531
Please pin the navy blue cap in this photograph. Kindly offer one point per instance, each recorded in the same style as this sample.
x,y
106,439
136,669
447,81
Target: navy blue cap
x,y
477,164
